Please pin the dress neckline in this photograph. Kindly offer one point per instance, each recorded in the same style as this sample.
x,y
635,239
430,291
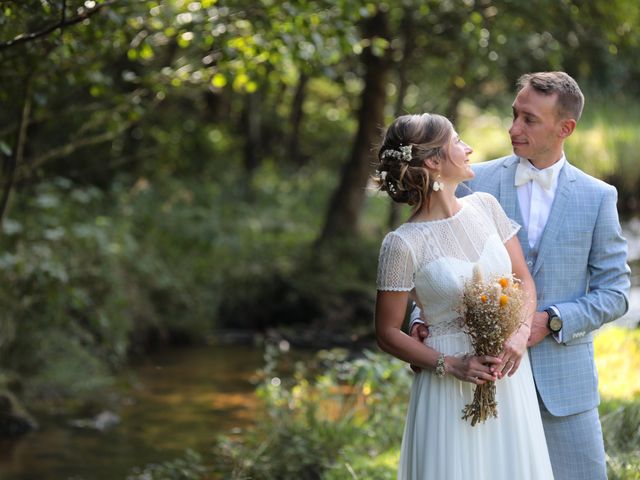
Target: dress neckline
x,y
463,205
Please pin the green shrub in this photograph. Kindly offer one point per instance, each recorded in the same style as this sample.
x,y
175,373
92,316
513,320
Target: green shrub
x,y
62,292
87,276
621,431
100,274
187,467
338,418
335,418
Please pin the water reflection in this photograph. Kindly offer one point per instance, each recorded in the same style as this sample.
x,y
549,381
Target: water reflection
x,y
178,399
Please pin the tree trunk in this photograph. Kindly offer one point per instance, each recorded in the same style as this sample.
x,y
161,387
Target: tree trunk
x,y
455,95
456,92
218,106
17,155
295,121
273,135
348,198
252,133
408,28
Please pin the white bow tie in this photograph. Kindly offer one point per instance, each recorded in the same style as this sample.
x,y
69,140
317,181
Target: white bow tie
x,y
524,173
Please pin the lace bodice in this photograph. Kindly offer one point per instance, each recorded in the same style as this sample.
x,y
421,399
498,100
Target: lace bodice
x,y
432,260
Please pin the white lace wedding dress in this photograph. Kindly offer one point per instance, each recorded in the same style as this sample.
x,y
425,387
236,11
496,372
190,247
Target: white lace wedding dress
x,y
432,260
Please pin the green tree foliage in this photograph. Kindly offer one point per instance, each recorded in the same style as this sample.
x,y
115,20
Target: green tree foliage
x,y
238,73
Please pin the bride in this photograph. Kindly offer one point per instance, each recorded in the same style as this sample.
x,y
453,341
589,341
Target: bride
x,y
428,259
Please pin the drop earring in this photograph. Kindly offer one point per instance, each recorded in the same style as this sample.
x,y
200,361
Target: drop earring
x,y
437,186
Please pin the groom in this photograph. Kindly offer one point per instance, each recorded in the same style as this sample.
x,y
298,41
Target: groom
x,y
573,244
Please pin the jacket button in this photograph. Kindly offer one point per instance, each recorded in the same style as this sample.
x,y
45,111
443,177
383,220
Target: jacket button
x,y
530,263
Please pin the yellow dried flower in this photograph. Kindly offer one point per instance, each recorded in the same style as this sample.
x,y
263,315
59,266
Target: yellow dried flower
x,y
503,300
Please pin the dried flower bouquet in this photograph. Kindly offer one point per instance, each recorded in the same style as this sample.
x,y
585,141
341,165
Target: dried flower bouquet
x,y
492,311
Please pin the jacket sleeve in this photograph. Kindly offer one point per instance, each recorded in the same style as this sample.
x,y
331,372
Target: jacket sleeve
x,y
607,297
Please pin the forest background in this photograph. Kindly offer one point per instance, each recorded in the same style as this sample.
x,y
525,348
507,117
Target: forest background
x,y
173,170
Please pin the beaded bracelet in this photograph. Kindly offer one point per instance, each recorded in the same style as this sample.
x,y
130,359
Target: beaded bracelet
x,y
440,366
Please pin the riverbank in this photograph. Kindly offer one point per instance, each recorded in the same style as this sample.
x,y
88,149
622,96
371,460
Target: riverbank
x,y
176,399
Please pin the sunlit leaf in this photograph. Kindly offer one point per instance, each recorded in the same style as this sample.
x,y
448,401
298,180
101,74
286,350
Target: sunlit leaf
x,y
146,52
95,90
251,86
240,81
219,80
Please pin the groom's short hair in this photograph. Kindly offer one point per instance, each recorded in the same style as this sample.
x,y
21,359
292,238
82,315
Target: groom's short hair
x,y
570,98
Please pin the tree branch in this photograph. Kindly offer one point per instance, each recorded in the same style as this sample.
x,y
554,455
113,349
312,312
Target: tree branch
x,y
66,150
74,110
60,25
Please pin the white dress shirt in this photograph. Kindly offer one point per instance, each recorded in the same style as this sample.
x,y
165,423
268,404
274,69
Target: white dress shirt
x,y
535,219
531,193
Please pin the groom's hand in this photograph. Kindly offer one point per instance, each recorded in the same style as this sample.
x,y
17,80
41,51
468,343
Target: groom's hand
x,y
511,355
418,331
539,328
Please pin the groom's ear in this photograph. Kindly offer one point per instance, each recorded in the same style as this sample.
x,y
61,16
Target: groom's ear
x,y
567,127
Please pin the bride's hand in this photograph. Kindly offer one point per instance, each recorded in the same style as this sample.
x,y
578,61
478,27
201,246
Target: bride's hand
x,y
473,369
514,348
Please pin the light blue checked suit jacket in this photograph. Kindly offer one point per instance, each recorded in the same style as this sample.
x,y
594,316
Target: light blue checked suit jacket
x,y
580,267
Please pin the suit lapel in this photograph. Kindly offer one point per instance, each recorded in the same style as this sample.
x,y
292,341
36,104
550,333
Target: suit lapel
x,y
509,199
556,215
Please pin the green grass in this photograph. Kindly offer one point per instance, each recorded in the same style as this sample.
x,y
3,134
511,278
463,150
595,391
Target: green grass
x,y
617,352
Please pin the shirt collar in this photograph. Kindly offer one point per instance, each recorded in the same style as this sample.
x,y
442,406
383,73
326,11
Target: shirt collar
x,y
555,168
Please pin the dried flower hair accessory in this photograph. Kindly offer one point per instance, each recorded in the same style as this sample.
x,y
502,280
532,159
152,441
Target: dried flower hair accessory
x,y
404,154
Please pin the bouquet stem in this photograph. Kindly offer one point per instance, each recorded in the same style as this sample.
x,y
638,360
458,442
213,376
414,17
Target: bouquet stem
x,y
484,404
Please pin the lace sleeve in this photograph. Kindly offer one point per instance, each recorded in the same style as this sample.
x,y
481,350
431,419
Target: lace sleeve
x,y
506,227
395,265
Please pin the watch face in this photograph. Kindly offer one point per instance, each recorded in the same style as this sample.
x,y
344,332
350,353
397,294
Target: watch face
x,y
555,324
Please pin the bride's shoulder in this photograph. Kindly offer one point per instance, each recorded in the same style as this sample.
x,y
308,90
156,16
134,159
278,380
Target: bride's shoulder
x,y
485,203
396,237
481,198
406,235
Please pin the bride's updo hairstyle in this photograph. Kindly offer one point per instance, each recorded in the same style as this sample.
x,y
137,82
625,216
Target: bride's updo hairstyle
x,y
407,143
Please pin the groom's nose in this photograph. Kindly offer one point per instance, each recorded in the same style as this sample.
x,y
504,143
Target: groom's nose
x,y
514,129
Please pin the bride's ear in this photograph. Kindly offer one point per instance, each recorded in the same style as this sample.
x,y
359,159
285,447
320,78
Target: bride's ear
x,y
432,163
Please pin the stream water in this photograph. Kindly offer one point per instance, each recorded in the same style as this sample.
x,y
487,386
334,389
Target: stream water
x,y
180,399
